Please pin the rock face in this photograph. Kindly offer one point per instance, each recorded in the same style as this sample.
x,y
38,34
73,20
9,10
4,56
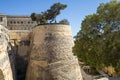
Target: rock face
x,y
5,68
51,56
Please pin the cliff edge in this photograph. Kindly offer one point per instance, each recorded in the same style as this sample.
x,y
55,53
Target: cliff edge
x,y
5,67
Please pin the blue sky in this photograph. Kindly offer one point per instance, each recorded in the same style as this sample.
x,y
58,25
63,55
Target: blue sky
x,y
74,13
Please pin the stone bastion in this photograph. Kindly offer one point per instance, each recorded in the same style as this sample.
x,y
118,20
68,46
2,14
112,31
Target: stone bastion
x,y
51,56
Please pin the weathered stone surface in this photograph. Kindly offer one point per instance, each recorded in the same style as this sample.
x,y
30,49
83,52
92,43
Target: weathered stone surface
x,y
5,67
51,56
19,34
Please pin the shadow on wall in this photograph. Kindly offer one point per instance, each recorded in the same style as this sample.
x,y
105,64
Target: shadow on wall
x,y
21,61
1,75
19,58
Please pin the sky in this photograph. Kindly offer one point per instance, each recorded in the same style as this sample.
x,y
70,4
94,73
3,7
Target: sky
x,y
75,12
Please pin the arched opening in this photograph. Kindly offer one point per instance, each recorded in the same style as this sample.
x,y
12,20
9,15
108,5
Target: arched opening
x,y
1,75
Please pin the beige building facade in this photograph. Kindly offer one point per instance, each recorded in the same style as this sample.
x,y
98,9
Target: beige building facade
x,y
3,19
16,22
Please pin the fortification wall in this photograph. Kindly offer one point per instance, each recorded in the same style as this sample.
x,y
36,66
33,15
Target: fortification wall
x,y
20,42
21,39
51,56
19,34
5,67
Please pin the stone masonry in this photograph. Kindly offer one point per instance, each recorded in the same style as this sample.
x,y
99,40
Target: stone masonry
x,y
51,56
44,51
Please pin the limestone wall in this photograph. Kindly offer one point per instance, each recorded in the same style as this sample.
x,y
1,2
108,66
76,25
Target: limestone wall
x,y
51,56
19,34
4,59
21,40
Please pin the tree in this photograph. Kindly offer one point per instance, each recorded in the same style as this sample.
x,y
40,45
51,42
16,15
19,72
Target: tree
x,y
33,16
54,11
97,43
39,18
48,15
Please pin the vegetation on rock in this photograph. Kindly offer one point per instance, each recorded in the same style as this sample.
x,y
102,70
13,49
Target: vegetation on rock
x,y
50,15
98,41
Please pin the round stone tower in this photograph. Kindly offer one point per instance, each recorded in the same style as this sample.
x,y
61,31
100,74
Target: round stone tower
x,y
51,56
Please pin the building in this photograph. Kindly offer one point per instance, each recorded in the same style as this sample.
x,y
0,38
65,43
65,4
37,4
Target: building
x,y
15,22
3,19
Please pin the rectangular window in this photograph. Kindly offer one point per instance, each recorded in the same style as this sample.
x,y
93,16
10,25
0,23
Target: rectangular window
x,y
1,19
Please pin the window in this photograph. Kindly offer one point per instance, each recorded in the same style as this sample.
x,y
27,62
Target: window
x,y
28,22
1,19
17,22
10,22
21,22
14,22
